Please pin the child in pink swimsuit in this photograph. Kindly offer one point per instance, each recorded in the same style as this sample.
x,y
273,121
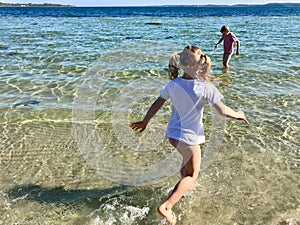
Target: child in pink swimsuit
x,y
229,39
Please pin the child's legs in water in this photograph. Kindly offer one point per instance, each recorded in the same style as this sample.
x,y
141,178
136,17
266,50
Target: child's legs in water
x,y
191,159
226,59
188,157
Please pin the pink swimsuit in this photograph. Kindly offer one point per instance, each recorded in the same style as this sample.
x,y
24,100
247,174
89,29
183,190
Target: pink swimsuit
x,y
229,39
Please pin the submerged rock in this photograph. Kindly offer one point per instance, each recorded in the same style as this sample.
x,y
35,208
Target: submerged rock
x,y
153,23
26,103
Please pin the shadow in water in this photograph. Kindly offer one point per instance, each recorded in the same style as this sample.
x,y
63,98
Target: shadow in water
x,y
137,204
59,195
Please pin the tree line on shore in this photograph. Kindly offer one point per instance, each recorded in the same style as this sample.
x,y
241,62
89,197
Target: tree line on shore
x,y
2,4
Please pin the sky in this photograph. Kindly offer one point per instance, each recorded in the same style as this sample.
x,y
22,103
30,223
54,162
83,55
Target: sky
x,y
149,2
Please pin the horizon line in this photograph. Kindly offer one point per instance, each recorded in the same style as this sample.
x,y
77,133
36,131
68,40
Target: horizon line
x,y
242,4
158,5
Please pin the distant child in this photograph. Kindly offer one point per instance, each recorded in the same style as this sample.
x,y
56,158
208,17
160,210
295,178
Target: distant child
x,y
228,39
188,95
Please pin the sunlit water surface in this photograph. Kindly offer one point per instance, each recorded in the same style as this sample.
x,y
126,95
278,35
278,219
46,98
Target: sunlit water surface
x,y
69,87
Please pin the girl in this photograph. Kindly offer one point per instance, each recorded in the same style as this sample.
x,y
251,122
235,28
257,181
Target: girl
x,y
228,39
188,95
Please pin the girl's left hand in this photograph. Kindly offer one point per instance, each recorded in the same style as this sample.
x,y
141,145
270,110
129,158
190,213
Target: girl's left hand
x,y
242,117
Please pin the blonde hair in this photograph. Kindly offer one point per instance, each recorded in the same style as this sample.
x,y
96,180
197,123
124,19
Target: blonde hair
x,y
173,70
193,62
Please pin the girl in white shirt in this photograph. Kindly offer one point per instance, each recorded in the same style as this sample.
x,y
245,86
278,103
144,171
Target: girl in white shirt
x,y
188,95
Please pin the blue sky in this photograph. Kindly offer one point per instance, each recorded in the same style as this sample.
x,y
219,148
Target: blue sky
x,y
149,2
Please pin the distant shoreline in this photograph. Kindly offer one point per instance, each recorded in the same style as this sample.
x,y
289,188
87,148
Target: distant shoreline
x,y
2,4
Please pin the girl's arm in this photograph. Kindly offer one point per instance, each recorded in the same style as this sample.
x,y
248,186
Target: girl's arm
x,y
141,125
216,46
238,47
227,111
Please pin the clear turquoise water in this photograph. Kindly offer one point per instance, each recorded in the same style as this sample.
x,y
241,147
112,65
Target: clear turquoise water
x,y
69,86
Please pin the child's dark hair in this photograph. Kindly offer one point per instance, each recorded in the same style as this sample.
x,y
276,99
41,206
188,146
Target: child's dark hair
x,y
224,28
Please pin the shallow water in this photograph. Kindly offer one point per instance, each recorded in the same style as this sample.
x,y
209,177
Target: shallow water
x,y
70,86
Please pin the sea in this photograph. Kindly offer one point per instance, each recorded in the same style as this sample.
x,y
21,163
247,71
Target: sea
x,y
72,79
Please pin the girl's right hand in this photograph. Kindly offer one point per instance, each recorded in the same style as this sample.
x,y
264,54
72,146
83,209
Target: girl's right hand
x,y
141,126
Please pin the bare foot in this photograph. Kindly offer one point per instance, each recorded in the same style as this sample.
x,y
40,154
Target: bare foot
x,y
168,214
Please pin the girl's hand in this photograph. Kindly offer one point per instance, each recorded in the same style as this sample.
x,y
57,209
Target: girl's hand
x,y
141,126
216,47
242,117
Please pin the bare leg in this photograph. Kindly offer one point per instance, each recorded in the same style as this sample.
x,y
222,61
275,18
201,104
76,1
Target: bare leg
x,y
191,166
226,59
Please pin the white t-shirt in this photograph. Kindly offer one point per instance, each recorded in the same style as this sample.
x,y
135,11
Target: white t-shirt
x,y
188,98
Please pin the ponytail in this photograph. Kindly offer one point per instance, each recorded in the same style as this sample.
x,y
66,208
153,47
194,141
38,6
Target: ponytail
x,y
173,66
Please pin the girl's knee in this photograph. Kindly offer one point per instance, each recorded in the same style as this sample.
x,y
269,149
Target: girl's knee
x,y
193,179
193,174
